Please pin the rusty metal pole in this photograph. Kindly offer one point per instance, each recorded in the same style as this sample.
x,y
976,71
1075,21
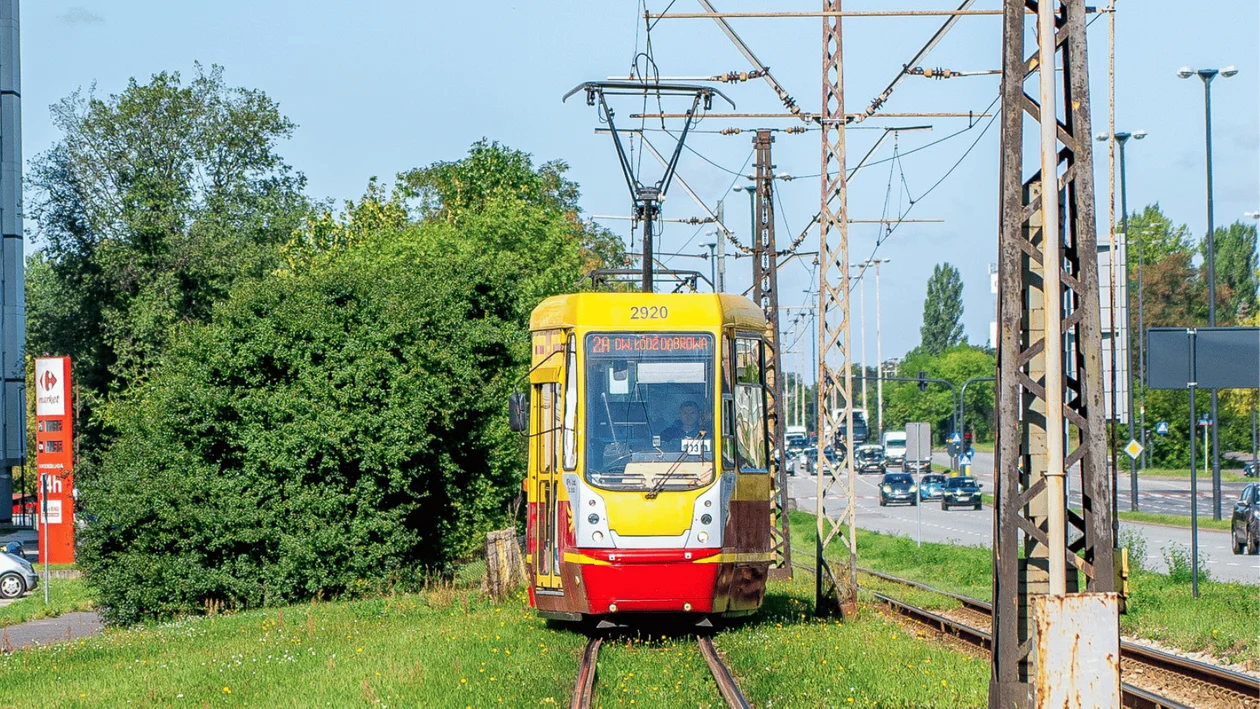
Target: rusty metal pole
x,y
834,592
1049,378
766,295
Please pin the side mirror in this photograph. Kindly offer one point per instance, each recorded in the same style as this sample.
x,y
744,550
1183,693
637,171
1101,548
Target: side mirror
x,y
518,412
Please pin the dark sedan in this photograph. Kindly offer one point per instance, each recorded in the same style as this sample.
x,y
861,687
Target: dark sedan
x,y
869,459
898,487
1244,527
961,491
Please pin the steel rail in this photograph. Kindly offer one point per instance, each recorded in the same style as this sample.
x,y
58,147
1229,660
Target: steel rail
x,y
584,691
1207,673
722,675
1131,696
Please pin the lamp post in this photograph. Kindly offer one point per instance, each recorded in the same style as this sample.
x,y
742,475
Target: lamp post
x,y
1207,75
712,246
1121,139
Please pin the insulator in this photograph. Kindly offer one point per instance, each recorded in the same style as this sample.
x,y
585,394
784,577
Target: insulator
x,y
732,131
796,129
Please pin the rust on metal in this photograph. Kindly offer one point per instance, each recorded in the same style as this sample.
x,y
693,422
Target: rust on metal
x,y
766,295
1078,661
832,593
722,676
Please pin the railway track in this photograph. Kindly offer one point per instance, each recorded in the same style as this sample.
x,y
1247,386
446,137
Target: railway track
x,y
584,690
1155,670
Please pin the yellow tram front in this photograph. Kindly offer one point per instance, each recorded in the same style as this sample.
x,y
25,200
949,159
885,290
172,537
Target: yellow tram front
x,y
648,485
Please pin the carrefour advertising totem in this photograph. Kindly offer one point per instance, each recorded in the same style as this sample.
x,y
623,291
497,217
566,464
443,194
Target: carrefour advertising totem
x,y
54,440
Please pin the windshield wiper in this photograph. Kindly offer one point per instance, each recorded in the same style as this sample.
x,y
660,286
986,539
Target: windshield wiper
x,y
660,482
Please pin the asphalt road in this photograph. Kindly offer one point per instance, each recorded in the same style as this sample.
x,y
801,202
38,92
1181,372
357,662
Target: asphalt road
x,y
975,527
1160,495
53,630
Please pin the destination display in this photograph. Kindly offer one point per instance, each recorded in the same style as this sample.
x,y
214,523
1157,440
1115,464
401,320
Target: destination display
x,y
620,345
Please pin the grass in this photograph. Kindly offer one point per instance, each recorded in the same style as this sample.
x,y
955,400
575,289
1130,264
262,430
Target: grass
x,y
1205,522
785,657
446,648
1227,475
1220,622
449,648
64,596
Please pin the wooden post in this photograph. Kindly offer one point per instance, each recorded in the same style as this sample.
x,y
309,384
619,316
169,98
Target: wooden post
x,y
505,568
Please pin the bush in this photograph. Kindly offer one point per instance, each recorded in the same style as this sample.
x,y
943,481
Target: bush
x,y
327,431
1177,557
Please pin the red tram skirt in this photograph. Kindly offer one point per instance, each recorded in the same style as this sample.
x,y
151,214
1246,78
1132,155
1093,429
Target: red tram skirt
x,y
637,580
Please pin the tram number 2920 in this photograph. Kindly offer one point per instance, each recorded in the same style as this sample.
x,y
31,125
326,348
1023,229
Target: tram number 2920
x,y
649,312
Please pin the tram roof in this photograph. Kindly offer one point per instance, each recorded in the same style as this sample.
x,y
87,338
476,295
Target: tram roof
x,y
612,310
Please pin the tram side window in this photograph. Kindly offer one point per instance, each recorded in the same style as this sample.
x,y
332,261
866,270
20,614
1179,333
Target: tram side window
x,y
728,409
551,423
570,410
750,407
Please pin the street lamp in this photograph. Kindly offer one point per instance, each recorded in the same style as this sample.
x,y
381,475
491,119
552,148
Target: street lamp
x,y
1207,75
1121,139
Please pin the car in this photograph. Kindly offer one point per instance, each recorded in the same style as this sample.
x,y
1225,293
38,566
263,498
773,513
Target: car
x,y
1244,526
898,487
869,459
961,490
916,466
17,576
931,487
1251,471
811,458
895,448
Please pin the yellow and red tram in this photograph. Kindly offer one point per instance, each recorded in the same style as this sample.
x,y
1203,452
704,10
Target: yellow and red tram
x,y
648,485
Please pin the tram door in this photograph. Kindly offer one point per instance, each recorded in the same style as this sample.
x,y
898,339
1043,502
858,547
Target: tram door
x,y
547,561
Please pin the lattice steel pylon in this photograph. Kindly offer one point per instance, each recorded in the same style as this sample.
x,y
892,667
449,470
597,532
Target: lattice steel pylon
x,y
834,592
1049,351
766,295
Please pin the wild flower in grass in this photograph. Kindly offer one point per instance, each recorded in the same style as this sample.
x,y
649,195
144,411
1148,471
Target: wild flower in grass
x,y
226,690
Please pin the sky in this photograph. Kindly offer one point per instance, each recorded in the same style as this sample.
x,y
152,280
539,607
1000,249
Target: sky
x,y
380,87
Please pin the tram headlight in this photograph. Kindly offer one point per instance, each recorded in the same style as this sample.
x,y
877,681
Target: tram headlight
x,y
702,537
593,518
598,536
706,519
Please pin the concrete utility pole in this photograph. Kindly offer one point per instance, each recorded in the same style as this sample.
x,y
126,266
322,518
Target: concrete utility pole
x,y
879,349
766,295
12,275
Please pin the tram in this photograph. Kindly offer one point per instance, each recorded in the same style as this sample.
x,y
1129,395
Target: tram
x,y
648,484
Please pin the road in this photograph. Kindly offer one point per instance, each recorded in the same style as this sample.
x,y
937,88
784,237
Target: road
x,y
1160,495
975,527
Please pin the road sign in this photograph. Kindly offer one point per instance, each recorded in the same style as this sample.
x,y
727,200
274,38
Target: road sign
x,y
1162,428
1134,449
918,442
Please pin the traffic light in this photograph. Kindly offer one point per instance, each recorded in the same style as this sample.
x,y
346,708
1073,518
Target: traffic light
x,y
967,441
922,381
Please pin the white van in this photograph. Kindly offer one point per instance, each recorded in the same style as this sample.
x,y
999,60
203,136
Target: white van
x,y
894,448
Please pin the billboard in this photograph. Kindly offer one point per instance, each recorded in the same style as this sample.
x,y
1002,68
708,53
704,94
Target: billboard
x,y
54,441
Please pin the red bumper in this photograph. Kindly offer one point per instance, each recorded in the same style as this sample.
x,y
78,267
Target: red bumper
x,y
651,580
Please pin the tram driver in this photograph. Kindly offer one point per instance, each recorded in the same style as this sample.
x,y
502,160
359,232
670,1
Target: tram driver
x,y
689,427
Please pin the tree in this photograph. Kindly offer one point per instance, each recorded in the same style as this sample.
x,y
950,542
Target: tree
x,y
152,207
942,311
1236,269
338,425
904,402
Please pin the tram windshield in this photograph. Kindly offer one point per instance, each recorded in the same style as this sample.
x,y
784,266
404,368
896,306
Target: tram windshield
x,y
649,411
